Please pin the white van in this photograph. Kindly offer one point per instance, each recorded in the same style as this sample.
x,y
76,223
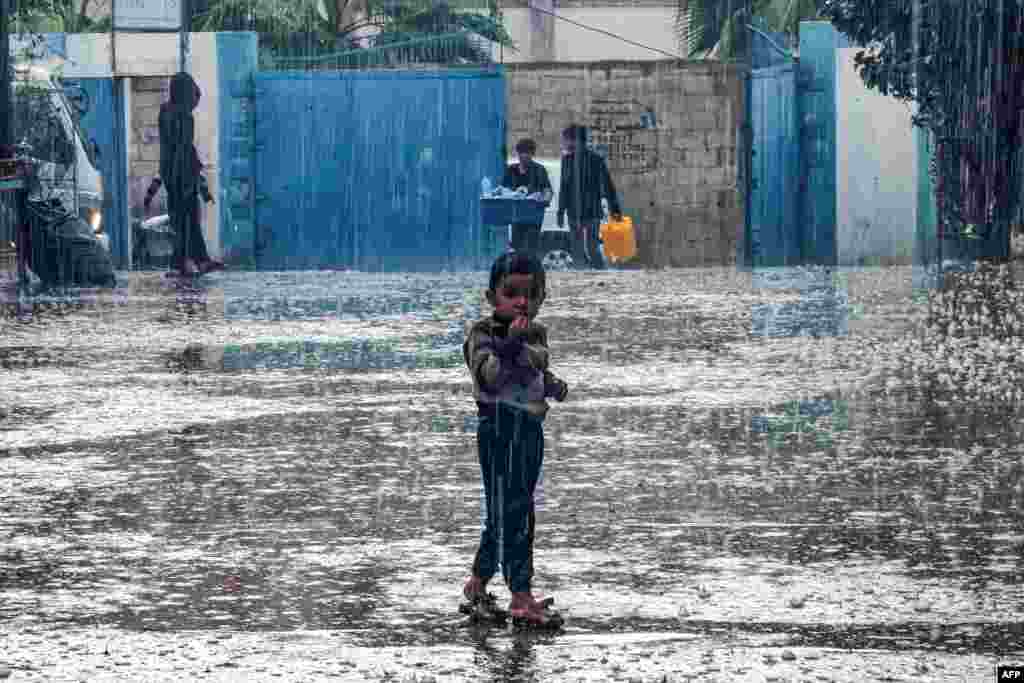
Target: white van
x,y
47,130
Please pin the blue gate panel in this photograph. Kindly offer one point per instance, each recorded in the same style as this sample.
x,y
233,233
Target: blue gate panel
x,y
104,123
236,63
774,191
375,170
817,102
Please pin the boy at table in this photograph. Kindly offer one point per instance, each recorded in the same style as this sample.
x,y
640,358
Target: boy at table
x,y
534,177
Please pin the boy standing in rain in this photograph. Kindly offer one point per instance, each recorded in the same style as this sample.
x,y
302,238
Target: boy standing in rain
x,y
507,355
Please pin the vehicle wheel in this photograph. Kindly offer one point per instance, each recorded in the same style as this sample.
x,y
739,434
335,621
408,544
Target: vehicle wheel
x,y
557,260
68,253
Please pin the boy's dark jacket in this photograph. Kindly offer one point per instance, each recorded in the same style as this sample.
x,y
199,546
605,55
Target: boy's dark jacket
x,y
585,180
511,368
535,179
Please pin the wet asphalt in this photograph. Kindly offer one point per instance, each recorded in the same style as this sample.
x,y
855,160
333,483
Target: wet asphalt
x,y
784,475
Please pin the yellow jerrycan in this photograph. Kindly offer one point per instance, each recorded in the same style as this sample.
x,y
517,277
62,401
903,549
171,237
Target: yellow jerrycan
x,y
619,239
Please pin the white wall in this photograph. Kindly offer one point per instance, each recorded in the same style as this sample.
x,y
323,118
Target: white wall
x,y
204,70
651,26
138,54
876,170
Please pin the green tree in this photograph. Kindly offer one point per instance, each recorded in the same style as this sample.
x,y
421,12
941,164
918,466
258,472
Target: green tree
x,y
283,26
56,16
307,28
469,23
716,28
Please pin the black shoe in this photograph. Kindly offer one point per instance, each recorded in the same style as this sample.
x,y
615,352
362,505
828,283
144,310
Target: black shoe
x,y
483,607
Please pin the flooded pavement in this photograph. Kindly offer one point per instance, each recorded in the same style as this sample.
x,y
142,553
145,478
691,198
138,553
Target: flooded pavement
x,y
770,476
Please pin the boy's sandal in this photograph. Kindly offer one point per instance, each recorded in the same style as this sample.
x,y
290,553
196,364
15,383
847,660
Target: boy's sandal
x,y
209,266
477,598
535,617
482,605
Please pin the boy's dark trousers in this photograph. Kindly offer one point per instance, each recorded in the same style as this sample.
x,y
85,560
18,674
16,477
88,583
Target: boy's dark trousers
x,y
510,443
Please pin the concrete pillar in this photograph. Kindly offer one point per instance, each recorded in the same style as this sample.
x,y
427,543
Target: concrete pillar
x,y
542,30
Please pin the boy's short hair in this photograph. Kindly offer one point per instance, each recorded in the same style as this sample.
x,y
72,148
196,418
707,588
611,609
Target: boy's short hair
x,y
517,263
526,146
577,133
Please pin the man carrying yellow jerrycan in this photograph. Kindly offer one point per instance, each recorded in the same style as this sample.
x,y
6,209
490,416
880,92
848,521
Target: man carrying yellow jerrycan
x,y
585,182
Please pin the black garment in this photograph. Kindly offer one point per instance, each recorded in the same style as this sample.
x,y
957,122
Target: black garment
x,y
585,181
535,179
586,244
511,450
188,231
526,238
180,168
156,184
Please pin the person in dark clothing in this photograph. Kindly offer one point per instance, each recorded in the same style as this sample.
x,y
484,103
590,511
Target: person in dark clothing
x,y
157,183
585,181
181,173
534,177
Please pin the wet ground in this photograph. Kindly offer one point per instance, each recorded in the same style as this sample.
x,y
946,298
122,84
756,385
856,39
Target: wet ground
x,y
273,477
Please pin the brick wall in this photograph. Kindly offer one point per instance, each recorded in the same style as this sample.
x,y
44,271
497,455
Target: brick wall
x,y
679,181
144,145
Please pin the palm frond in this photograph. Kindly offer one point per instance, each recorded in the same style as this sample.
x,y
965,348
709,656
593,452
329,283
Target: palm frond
x,y
696,29
691,26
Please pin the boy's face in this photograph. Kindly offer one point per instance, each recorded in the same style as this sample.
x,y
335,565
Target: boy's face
x,y
516,296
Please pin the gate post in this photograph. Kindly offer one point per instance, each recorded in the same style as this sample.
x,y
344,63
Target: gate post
x,y
115,187
236,64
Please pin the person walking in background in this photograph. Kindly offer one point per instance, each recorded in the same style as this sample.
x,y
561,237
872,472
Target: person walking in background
x,y
534,177
181,173
585,181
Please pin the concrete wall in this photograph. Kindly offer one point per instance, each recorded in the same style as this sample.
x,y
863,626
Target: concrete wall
x,y
680,181
876,171
541,37
148,94
860,158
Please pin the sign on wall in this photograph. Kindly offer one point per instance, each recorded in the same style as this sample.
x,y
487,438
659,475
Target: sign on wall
x,y
625,133
143,15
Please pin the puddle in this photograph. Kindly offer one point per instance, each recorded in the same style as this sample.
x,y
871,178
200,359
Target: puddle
x,y
290,459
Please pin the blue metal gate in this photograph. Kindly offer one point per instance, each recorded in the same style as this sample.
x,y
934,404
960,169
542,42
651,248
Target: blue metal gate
x,y
103,122
774,236
375,170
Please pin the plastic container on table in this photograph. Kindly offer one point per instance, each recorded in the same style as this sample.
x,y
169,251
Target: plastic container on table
x,y
619,239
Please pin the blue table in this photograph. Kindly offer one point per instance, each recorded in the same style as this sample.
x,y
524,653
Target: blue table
x,y
504,212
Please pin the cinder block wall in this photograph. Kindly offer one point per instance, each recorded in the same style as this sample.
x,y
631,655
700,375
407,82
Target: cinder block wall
x,y
147,96
680,181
